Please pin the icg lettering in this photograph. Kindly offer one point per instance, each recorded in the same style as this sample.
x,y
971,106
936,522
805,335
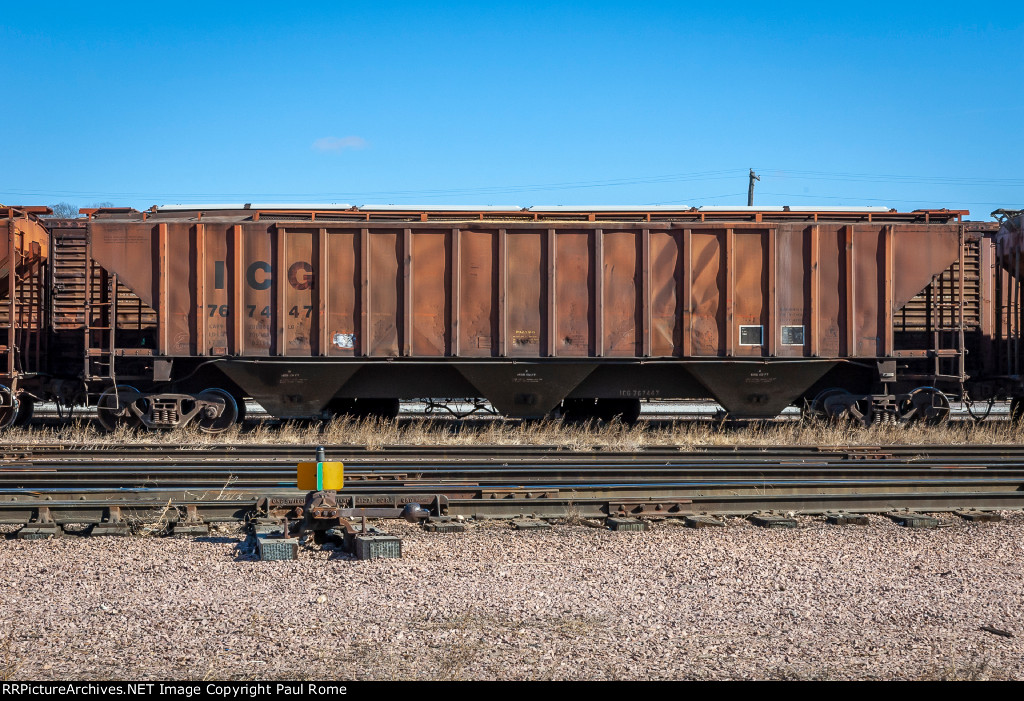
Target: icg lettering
x,y
259,275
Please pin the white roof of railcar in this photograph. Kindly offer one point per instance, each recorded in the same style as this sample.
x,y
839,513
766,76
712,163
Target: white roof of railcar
x,y
254,205
610,208
800,208
516,208
440,207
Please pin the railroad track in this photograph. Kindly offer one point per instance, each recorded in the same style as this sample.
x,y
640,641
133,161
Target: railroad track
x,y
75,485
156,453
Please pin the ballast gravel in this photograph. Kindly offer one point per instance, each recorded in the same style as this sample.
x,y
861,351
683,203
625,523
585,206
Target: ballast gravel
x,y
741,602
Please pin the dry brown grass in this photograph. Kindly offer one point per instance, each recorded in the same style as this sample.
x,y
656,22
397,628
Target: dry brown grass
x,y
380,433
157,523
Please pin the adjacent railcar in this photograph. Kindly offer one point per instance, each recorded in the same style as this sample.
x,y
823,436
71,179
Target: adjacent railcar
x,y
175,314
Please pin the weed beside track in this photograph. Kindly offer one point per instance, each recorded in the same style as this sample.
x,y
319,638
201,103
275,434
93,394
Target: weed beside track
x,y
616,436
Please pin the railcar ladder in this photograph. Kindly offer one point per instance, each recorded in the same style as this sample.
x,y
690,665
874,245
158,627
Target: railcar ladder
x,y
12,319
946,321
1008,313
100,322
25,307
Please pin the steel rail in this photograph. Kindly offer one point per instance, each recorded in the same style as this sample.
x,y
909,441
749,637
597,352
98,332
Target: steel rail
x,y
149,505
649,486
183,469
154,451
549,484
32,478
126,473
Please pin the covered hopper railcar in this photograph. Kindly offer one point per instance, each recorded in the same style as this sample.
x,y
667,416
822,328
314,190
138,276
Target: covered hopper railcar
x,y
176,314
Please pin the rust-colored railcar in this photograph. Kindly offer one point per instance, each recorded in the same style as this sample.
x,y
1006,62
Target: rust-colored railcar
x,y
177,313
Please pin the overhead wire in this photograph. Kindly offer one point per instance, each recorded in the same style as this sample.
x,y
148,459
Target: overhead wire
x,y
505,190
885,178
892,200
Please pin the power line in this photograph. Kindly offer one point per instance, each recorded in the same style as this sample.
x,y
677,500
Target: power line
x,y
881,178
504,190
692,200
877,199
442,192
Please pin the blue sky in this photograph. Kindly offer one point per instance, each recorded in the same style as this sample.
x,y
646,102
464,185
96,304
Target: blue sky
x,y
905,104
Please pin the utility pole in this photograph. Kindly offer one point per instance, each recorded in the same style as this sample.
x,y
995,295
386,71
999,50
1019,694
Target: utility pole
x,y
750,191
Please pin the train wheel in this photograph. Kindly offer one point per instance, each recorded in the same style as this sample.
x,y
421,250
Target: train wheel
x,y
854,412
816,410
228,415
926,404
113,408
9,406
839,405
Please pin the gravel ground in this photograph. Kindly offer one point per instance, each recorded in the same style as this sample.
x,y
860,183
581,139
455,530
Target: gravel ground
x,y
818,602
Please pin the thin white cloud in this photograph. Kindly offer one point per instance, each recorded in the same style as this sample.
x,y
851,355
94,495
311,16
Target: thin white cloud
x,y
334,143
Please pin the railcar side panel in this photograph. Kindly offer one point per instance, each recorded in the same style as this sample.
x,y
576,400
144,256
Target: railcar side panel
x,y
793,283
527,294
708,272
431,287
666,271
385,280
574,290
869,321
748,293
178,280
340,274
621,310
215,314
261,316
475,320
821,290
301,307
829,337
